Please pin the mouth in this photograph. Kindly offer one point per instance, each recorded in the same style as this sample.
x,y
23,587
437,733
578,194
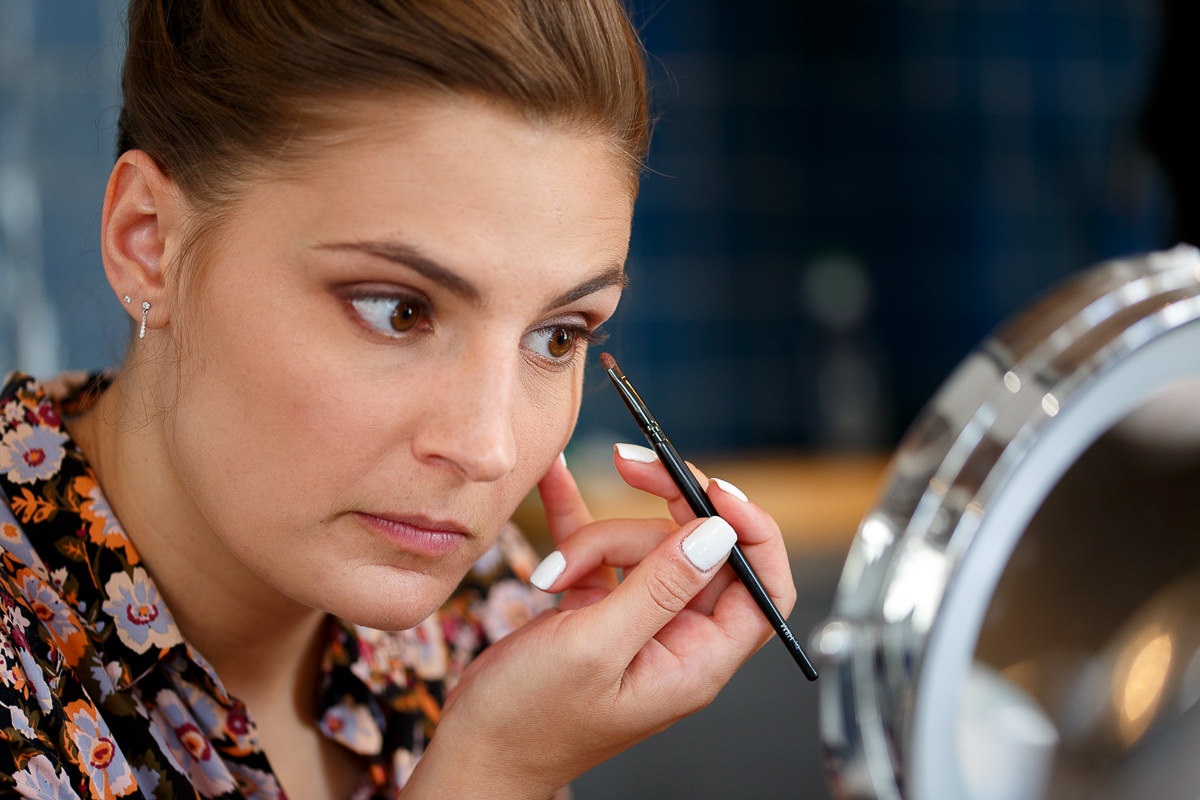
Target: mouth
x,y
417,535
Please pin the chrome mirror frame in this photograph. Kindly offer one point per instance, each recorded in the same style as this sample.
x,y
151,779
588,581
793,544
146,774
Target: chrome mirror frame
x,y
962,486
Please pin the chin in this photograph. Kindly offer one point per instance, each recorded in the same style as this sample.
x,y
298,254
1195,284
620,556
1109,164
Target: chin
x,y
390,605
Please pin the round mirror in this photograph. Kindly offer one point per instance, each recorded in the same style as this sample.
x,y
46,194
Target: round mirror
x,y
1019,615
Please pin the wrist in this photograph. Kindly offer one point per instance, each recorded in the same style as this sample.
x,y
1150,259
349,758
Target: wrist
x,y
474,766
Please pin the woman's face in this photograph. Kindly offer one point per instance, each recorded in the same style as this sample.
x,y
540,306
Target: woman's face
x,y
382,357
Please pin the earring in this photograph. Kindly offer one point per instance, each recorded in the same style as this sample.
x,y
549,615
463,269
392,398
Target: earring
x,y
127,300
145,311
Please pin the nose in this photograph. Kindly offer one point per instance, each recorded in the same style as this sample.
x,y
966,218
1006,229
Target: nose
x,y
469,419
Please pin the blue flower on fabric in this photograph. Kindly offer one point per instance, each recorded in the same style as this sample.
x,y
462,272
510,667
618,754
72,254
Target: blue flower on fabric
x,y
29,453
509,605
142,619
14,541
19,722
106,677
353,726
189,745
254,784
40,780
49,607
107,768
147,780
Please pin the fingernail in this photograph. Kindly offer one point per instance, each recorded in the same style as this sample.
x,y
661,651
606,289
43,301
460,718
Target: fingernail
x,y
548,571
709,543
562,459
635,452
729,488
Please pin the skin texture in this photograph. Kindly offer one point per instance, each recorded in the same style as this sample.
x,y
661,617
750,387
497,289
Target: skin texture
x,y
276,450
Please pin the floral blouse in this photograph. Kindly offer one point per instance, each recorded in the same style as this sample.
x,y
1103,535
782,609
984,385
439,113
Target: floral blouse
x,y
101,697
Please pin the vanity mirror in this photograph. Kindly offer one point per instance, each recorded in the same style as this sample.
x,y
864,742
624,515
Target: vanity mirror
x,y
1019,615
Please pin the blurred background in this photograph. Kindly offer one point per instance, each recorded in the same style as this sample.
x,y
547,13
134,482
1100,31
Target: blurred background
x,y
842,199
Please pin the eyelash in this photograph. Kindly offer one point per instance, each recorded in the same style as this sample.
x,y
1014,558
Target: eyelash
x,y
583,336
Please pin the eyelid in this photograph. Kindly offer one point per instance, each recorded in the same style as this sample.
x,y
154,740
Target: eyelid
x,y
584,337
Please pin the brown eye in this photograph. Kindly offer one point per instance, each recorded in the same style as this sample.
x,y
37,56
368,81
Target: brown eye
x,y
560,342
405,315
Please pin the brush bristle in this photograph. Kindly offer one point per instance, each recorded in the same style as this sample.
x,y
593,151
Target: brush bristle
x,y
607,361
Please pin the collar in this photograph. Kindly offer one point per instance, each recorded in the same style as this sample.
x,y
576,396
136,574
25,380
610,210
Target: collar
x,y
54,496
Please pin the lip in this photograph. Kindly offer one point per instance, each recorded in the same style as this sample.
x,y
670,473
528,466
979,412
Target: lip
x,y
417,535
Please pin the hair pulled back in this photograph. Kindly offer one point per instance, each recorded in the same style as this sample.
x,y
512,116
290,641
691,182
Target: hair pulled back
x,y
214,89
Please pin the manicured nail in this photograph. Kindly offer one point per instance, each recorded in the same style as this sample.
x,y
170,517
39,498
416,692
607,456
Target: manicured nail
x,y
709,543
548,571
729,488
562,459
635,452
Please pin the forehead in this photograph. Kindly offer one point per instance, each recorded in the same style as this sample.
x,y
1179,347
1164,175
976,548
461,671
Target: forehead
x,y
456,125
472,169
471,185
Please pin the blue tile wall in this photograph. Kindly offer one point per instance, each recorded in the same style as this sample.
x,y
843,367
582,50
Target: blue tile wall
x,y
961,156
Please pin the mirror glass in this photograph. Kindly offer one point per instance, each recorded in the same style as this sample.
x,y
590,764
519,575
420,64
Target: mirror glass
x,y
1018,617
1086,677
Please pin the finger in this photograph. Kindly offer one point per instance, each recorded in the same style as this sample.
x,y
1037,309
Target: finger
x,y
619,543
565,509
640,468
760,540
662,586
758,533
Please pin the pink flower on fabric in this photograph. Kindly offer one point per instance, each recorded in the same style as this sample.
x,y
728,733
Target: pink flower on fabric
x,y
48,414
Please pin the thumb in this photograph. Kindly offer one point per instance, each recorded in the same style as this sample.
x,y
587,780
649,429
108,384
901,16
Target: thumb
x,y
665,582
566,512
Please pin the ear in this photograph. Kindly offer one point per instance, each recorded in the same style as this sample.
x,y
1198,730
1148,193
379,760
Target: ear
x,y
139,229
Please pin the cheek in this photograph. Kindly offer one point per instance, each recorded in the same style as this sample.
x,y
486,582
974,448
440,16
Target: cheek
x,y
261,422
549,418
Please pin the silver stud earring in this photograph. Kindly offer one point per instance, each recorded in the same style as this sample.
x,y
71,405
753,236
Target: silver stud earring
x,y
145,311
127,300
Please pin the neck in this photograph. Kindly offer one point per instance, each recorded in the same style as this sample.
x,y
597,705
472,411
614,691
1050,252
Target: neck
x,y
257,639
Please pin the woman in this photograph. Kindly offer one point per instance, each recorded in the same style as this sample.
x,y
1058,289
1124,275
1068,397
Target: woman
x,y
363,247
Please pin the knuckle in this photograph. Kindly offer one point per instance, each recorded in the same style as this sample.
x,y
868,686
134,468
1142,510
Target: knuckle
x,y
669,590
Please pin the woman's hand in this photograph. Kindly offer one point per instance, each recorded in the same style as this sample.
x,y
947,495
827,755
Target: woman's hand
x,y
615,662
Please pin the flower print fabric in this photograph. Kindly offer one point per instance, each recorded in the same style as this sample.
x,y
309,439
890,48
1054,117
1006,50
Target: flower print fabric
x,y
100,695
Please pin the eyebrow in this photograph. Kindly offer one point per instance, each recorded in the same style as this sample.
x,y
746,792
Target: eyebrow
x,y
411,257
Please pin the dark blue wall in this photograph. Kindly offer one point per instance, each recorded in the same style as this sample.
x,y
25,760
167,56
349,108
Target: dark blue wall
x,y
845,196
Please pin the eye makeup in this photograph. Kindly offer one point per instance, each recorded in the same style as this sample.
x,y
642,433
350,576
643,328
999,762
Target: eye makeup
x,y
701,506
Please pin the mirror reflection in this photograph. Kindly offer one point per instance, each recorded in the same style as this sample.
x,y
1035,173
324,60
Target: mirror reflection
x,y
1087,668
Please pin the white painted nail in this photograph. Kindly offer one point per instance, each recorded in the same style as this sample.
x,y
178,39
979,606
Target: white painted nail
x,y
706,546
562,459
548,571
729,488
635,452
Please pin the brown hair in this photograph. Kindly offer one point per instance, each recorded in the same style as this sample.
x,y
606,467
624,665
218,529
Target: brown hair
x,y
213,89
